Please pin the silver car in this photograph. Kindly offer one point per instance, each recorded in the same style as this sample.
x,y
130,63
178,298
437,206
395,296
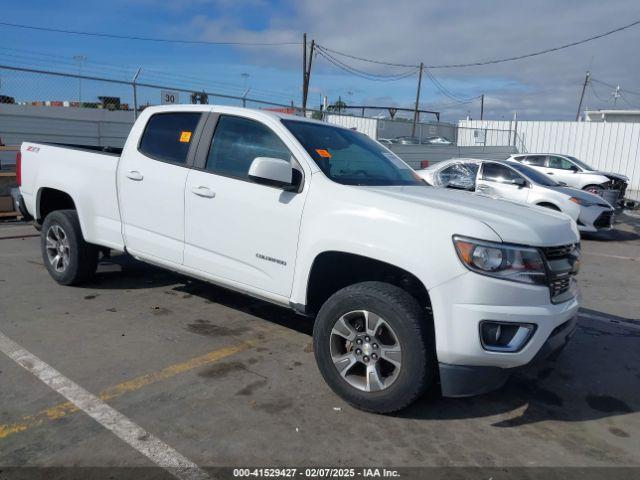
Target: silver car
x,y
511,180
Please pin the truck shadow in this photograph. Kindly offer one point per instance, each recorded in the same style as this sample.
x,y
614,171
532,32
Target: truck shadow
x,y
596,376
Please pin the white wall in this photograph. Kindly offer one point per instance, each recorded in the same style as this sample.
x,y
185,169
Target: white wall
x,y
610,147
368,126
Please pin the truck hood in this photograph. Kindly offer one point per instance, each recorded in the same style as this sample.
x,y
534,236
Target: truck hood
x,y
512,222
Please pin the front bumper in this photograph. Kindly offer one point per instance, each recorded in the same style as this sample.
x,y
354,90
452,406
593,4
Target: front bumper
x,y
464,302
469,380
596,219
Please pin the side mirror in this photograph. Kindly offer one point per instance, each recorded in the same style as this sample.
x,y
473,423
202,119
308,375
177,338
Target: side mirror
x,y
274,172
520,182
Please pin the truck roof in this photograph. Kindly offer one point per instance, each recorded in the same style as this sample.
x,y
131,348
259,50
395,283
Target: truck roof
x,y
230,110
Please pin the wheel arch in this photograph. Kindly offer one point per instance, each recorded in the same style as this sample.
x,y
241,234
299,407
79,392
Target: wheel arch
x,y
333,270
49,199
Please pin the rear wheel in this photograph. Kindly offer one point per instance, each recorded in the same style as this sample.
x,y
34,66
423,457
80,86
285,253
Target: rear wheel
x,y
374,346
68,258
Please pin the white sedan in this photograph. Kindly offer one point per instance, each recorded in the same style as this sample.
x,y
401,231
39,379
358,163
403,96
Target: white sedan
x,y
511,180
575,173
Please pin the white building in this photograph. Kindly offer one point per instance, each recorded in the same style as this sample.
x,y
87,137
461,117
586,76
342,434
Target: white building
x,y
626,116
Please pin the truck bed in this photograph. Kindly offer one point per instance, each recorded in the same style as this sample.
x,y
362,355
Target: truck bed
x,y
86,173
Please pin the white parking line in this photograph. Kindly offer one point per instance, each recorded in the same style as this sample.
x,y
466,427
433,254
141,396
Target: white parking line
x,y
150,446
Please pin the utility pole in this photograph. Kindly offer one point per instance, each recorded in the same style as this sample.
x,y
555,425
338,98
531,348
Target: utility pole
x,y
306,71
584,87
481,106
616,95
415,112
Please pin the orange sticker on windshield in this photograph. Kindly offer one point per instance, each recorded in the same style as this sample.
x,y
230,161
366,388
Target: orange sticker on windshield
x,y
185,137
323,153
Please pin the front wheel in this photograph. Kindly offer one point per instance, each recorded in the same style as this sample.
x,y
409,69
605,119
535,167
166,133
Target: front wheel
x,y
374,346
595,189
69,259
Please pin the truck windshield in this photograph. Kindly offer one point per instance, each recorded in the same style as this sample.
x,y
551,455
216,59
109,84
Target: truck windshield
x,y
349,157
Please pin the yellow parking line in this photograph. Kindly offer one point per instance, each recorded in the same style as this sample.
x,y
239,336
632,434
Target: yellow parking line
x,y
67,408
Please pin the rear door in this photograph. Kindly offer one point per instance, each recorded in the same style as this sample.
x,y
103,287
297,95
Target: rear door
x,y
497,180
561,170
151,180
235,229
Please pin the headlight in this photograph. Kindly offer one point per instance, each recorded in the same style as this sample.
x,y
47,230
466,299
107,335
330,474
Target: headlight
x,y
508,262
582,203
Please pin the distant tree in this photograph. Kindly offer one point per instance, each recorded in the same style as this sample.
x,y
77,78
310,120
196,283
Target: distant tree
x,y
337,106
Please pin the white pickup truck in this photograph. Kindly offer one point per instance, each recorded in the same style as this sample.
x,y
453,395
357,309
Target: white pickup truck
x,y
410,286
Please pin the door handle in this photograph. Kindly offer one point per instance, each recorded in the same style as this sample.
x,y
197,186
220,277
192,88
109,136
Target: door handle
x,y
134,175
549,173
205,192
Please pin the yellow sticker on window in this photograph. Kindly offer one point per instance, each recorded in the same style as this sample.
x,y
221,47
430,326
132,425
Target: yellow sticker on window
x,y
185,137
323,153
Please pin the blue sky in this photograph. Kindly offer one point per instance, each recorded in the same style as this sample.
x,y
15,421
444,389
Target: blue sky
x,y
401,31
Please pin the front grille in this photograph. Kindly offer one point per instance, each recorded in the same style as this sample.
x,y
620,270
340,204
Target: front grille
x,y
604,220
558,252
562,266
559,285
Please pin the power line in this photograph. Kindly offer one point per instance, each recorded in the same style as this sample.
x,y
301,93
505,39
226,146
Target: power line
x,y
595,94
146,39
498,60
361,73
448,93
614,86
31,58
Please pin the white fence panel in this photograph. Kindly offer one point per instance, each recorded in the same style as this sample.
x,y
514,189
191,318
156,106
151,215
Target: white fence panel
x,y
610,147
368,126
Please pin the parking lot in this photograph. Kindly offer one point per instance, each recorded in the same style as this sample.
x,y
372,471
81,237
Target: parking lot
x,y
226,380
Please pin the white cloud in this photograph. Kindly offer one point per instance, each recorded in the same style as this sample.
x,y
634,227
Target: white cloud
x,y
453,32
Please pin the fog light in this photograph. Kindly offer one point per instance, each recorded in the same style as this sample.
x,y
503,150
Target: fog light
x,y
505,336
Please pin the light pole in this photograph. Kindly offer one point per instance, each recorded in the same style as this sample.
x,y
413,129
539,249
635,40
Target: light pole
x,y
80,59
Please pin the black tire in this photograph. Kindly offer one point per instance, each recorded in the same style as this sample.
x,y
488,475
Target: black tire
x,y
82,256
411,326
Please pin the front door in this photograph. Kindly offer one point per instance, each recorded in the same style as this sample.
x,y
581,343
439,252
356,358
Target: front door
x,y
561,170
235,229
497,180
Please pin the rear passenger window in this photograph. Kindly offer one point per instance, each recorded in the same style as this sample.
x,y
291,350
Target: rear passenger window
x,y
535,160
237,142
168,136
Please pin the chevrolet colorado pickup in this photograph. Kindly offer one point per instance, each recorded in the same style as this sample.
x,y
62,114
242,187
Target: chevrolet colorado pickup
x,y
411,287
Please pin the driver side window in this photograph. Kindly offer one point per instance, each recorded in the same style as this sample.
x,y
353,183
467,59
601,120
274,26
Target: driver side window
x,y
560,163
459,175
237,142
495,172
